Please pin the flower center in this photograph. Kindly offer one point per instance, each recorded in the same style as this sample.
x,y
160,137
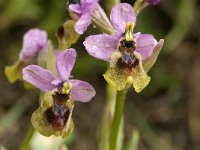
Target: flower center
x,y
126,47
58,114
127,62
64,87
129,31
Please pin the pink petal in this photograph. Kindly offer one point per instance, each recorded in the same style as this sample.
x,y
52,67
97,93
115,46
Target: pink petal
x,y
88,1
56,82
82,91
33,41
145,45
75,8
64,63
148,63
88,6
39,77
137,35
101,46
82,24
120,15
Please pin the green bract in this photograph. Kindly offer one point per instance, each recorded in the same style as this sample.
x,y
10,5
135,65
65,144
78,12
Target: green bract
x,y
66,35
13,72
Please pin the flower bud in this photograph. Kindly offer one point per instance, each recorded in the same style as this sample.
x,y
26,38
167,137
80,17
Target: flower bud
x,y
34,40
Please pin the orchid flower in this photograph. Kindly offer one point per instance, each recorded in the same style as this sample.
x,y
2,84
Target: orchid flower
x,y
53,117
83,9
125,51
34,42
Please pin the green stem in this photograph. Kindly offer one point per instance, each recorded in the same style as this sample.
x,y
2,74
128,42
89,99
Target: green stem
x,y
107,118
27,139
119,108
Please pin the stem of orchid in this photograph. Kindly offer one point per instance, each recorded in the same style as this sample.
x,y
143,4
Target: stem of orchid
x,y
107,118
27,138
115,126
105,26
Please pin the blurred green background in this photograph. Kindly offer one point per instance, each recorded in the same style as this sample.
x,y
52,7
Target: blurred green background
x,y
166,113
